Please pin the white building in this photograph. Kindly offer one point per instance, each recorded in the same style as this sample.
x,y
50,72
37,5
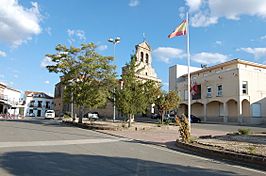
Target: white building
x,y
37,103
176,71
229,92
10,100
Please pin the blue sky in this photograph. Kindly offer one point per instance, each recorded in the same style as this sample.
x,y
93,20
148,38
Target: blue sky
x,y
219,31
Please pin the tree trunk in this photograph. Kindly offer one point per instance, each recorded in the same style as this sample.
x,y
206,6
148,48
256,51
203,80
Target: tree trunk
x,y
129,120
162,116
81,114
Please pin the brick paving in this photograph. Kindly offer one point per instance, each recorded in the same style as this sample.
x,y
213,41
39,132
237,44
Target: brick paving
x,y
162,135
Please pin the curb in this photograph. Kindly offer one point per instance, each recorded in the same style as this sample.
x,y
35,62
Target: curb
x,y
90,126
256,162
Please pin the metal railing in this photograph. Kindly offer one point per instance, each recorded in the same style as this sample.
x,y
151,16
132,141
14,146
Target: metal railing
x,y
10,116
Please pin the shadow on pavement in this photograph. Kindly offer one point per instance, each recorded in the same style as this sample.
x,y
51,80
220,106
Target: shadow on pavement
x,y
43,164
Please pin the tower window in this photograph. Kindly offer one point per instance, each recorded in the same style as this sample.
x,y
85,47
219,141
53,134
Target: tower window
x,y
147,58
141,56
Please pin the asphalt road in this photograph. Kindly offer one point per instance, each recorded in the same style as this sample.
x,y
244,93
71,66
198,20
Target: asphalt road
x,y
44,147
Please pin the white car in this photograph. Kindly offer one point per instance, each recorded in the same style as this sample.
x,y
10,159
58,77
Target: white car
x,y
92,115
49,114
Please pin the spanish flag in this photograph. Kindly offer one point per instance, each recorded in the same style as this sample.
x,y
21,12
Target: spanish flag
x,y
180,30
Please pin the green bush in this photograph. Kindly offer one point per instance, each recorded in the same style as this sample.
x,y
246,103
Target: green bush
x,y
244,131
251,149
66,116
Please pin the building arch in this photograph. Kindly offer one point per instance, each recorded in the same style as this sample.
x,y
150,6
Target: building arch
x,y
245,108
215,111
182,109
197,109
232,110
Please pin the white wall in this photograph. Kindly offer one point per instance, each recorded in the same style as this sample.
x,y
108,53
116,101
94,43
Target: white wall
x,y
176,71
13,97
36,108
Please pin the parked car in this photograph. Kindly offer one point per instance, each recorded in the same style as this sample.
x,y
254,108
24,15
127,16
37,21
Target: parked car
x,y
92,115
49,114
155,116
169,118
32,115
194,119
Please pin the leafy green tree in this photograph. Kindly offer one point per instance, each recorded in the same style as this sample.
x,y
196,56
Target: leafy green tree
x,y
135,94
87,76
151,93
166,102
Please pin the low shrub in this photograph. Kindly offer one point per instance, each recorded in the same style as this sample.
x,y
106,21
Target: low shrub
x,y
184,129
251,149
66,116
244,131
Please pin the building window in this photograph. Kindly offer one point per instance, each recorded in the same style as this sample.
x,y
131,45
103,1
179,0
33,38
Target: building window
x,y
196,91
147,58
209,92
219,91
47,105
39,104
245,87
32,103
141,56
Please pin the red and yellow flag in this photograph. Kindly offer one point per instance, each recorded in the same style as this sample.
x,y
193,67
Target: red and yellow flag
x,y
180,30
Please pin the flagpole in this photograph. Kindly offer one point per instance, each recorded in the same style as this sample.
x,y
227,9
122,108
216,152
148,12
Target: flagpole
x,y
188,76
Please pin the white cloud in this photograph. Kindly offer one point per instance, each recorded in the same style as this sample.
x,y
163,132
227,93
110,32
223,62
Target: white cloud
x,y
203,19
18,24
49,31
256,52
194,5
165,54
234,9
46,61
75,35
209,58
218,42
2,54
15,76
133,3
46,82
263,37
182,12
102,47
208,12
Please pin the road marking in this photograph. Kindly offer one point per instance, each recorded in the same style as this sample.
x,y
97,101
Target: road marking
x,y
55,143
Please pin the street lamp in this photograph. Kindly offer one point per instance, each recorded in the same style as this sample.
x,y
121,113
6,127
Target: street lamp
x,y
114,41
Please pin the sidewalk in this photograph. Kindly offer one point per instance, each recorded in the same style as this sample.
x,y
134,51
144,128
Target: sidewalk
x,y
151,133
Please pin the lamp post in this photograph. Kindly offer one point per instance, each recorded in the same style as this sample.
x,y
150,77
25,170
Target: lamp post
x,y
114,42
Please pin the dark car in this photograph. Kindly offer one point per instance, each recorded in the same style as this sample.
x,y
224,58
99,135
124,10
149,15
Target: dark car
x,y
155,116
194,119
169,118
